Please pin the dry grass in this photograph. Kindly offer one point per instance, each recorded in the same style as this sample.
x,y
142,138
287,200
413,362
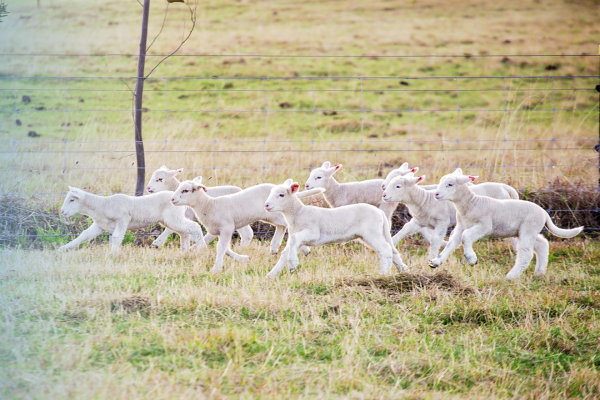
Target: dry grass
x,y
407,282
155,324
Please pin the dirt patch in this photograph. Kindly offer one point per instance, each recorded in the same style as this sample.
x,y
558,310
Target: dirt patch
x,y
131,304
407,282
347,126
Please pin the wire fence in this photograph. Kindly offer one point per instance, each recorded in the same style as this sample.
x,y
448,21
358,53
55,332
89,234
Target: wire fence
x,y
539,133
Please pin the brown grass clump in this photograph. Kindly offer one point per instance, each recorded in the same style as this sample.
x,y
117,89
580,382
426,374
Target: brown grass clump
x,y
576,203
347,126
407,282
132,304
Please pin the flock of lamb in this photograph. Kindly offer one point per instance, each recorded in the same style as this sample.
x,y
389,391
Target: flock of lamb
x,y
359,210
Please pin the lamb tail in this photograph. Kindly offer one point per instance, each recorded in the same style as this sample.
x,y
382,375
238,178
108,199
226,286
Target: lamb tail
x,y
564,233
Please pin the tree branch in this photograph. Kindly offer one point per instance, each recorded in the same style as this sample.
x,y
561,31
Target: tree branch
x,y
161,28
193,19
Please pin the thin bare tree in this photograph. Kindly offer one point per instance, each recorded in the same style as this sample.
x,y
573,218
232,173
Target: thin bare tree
x,y
141,77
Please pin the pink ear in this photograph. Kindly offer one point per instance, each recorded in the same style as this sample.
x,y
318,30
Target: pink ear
x,y
420,178
295,187
338,166
413,170
204,188
472,178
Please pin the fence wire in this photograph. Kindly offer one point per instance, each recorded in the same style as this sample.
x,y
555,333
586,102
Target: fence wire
x,y
536,132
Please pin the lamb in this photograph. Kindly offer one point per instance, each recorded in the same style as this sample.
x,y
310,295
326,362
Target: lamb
x,y
490,189
401,171
315,226
222,215
479,216
430,217
119,212
341,194
164,179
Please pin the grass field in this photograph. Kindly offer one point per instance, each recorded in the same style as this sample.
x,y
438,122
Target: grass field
x,y
506,129
153,323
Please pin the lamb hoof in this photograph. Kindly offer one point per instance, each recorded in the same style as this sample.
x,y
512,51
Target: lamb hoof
x,y
471,261
511,276
63,249
244,259
216,270
271,275
402,267
435,263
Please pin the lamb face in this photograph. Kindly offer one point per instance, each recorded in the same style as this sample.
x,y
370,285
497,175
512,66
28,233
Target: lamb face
x,y
71,205
398,190
161,178
446,189
319,177
184,194
280,196
401,171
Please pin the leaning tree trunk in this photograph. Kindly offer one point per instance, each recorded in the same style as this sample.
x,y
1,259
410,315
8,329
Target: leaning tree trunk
x,y
139,94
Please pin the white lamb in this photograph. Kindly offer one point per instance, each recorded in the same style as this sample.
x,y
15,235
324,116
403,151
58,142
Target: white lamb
x,y
164,179
341,194
222,215
495,190
402,170
480,216
119,212
315,226
430,217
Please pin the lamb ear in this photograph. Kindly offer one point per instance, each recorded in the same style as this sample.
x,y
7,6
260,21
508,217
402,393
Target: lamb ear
x,y
462,179
414,170
421,178
163,168
174,172
288,182
333,169
198,180
76,192
458,171
295,186
411,179
472,178
403,166
326,165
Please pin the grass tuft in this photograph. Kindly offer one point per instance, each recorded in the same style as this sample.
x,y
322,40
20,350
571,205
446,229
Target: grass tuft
x,y
407,282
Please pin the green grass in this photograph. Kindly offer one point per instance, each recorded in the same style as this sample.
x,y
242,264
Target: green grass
x,y
154,323
244,148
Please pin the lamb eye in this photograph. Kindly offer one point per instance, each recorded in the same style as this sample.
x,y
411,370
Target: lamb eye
x,y
185,191
318,177
159,180
397,187
450,184
281,195
72,200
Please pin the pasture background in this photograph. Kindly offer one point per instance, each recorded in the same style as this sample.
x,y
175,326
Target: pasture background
x,y
153,323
